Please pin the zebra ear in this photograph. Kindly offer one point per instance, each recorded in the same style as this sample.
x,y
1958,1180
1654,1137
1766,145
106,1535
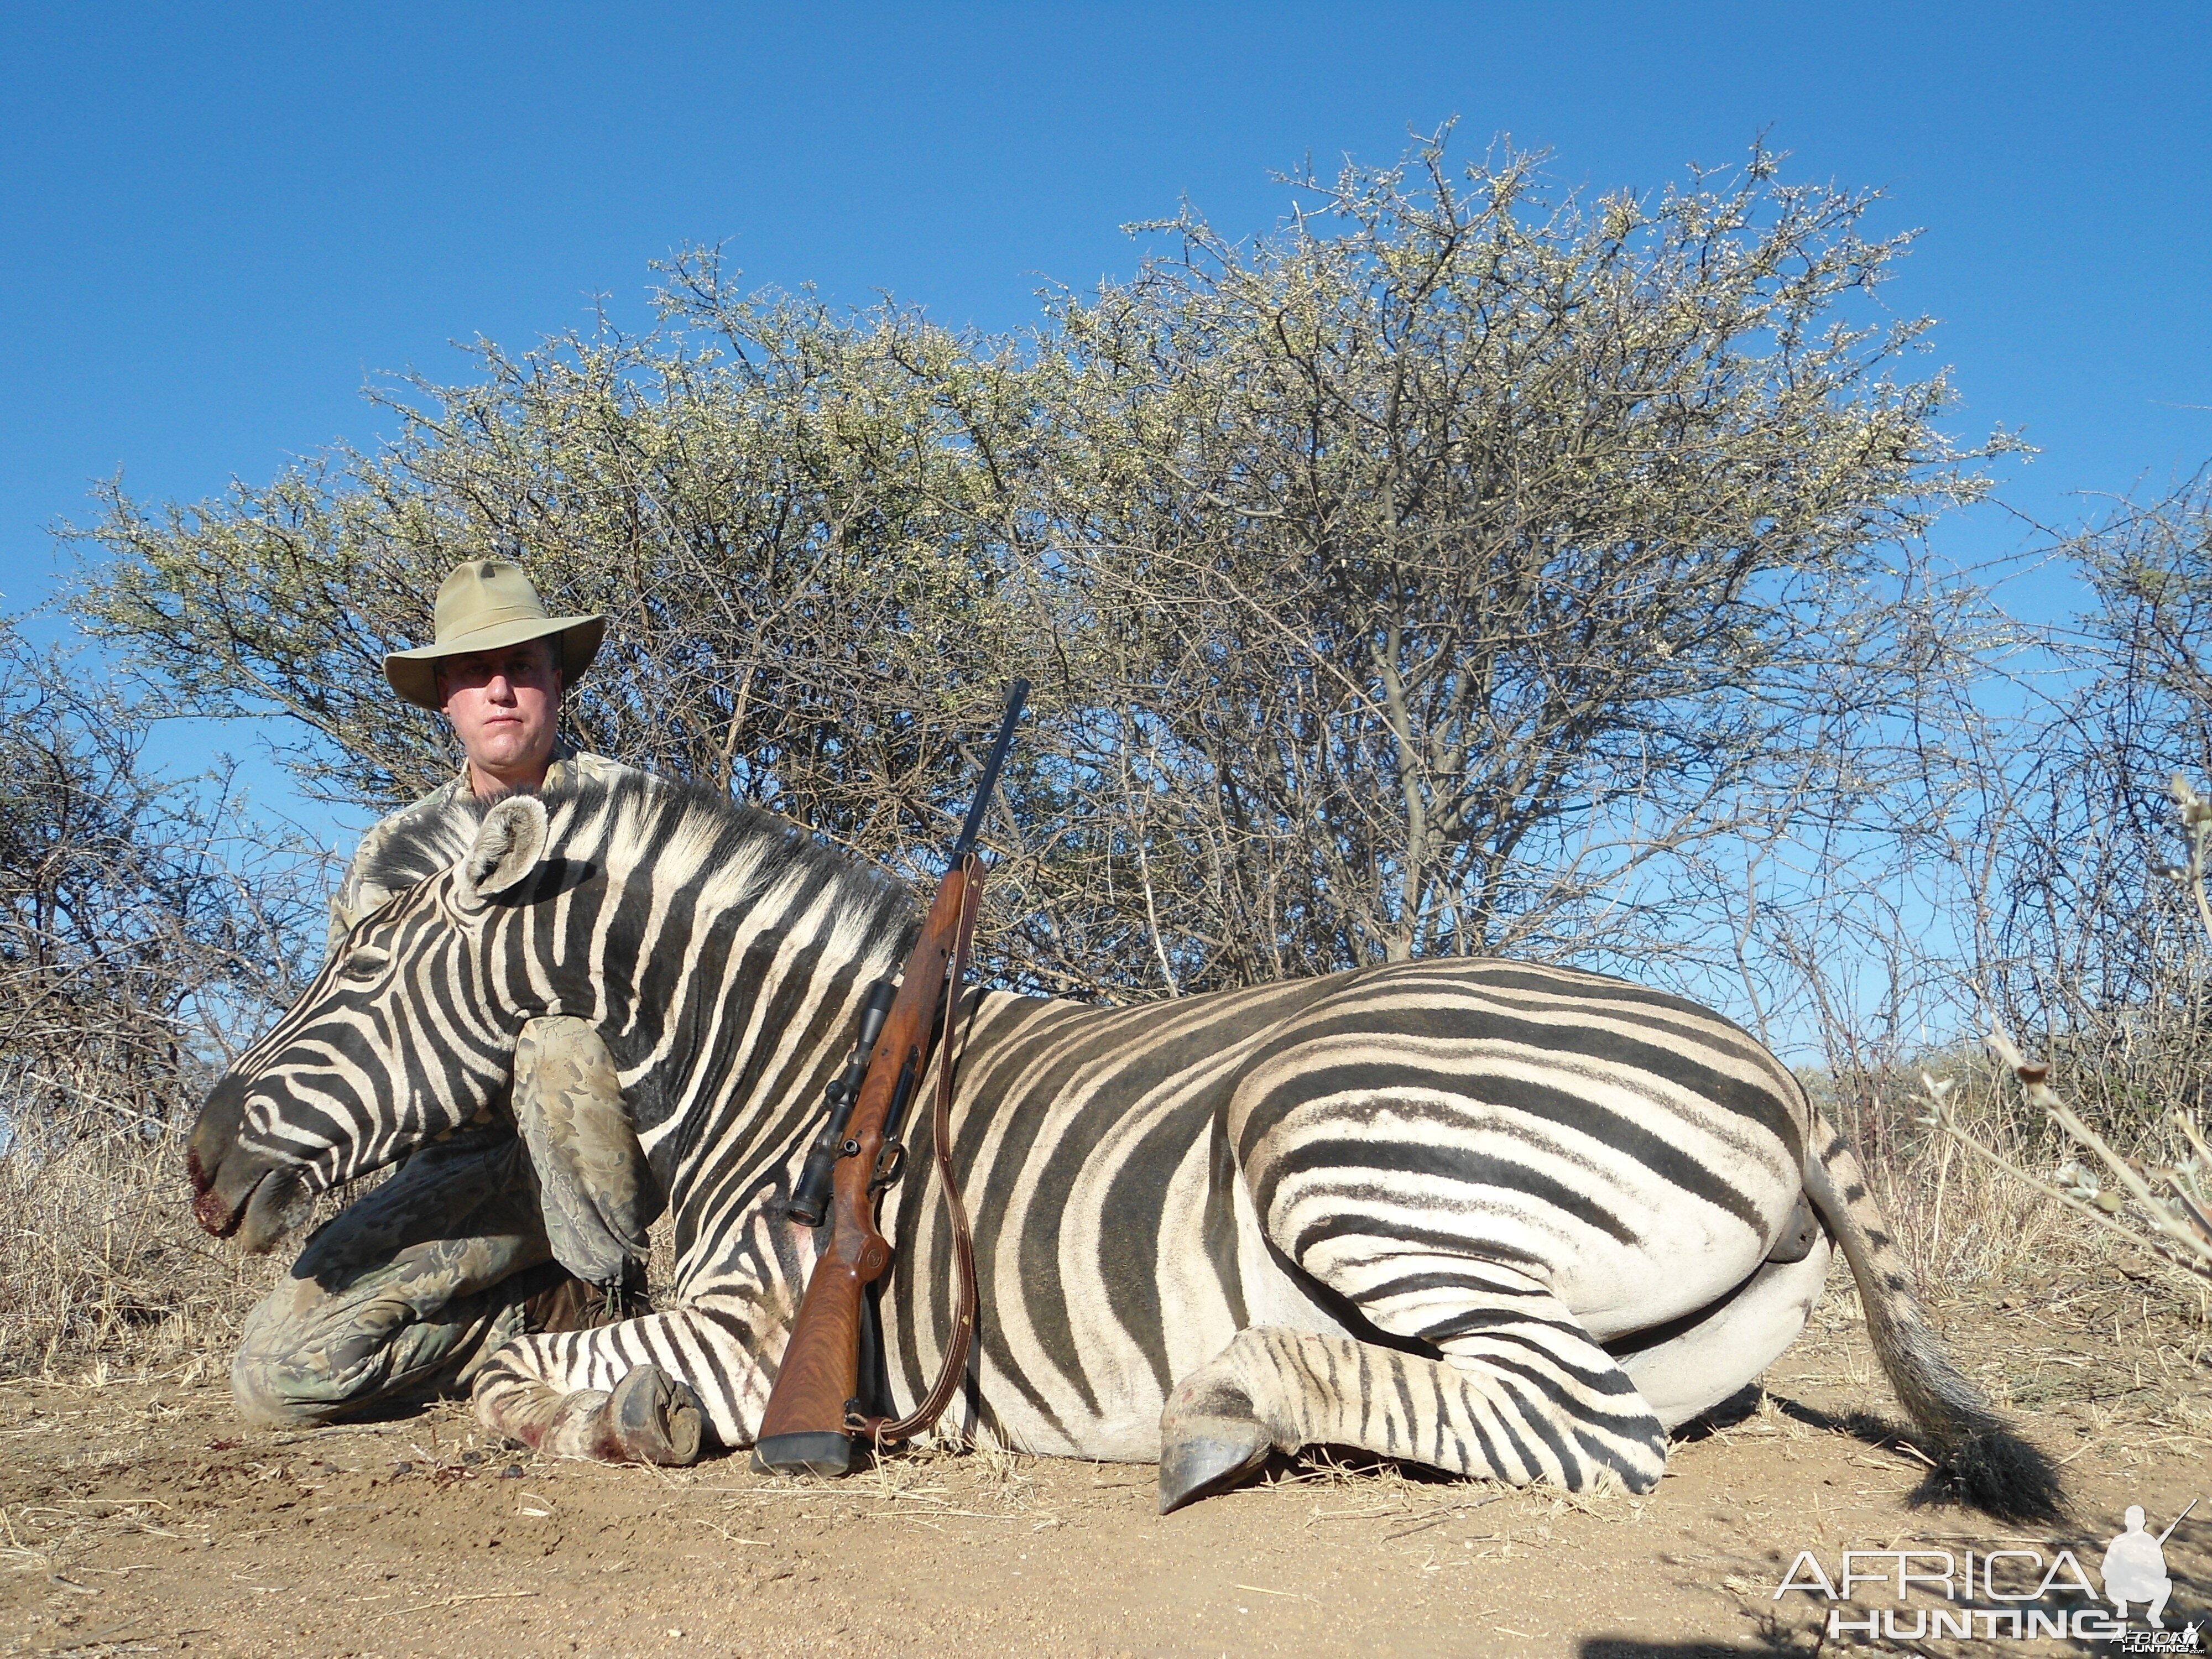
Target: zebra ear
x,y
508,846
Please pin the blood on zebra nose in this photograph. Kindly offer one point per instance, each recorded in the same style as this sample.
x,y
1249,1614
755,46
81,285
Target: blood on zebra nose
x,y
237,1190
215,1132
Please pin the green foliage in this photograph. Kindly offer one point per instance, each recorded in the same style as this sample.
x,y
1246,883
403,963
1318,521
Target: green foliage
x,y
767,500
1458,554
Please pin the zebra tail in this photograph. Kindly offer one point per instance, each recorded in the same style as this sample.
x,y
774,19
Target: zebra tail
x,y
1980,1459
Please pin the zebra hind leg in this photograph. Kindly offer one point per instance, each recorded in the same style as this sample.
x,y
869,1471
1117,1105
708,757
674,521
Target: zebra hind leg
x,y
1213,1432
1520,1393
1690,1367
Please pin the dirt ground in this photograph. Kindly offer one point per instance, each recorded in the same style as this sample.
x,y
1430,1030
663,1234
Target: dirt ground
x,y
140,1516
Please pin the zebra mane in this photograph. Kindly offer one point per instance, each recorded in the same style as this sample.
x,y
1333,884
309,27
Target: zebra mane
x,y
637,819
424,839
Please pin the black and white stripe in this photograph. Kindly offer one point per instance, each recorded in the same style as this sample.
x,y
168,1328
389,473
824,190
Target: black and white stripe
x,y
1512,1221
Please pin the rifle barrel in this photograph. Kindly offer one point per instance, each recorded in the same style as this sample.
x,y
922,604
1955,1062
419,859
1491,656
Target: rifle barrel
x,y
1016,696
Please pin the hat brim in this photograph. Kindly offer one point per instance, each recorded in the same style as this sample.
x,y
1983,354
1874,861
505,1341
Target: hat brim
x,y
414,674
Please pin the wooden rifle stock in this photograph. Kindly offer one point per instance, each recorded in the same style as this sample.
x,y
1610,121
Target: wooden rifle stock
x,y
814,1422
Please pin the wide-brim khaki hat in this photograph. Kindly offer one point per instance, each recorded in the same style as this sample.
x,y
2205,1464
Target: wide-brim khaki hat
x,y
486,605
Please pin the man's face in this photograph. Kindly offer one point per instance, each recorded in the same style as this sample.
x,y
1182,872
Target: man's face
x,y
504,705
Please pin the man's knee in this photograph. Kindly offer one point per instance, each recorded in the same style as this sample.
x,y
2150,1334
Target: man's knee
x,y
305,1359
282,1390
297,1363
375,1311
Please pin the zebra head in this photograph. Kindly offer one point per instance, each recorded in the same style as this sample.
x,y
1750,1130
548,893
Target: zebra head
x,y
406,1033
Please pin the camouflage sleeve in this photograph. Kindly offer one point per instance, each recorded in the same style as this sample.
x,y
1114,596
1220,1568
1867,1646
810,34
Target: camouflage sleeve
x,y
582,766
597,1193
346,908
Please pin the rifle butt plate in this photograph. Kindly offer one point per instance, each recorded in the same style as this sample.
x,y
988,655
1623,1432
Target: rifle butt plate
x,y
820,1451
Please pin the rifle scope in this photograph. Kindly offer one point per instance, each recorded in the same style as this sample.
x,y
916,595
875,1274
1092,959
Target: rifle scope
x,y
810,1200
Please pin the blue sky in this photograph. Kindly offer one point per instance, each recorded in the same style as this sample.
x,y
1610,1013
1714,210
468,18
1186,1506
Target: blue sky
x,y
218,222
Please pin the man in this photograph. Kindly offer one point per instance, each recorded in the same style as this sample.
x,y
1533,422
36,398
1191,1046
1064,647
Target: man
x,y
533,1225
497,671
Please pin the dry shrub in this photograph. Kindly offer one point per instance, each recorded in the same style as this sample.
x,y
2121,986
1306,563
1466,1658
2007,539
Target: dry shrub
x,y
148,925
2143,1177
1957,1221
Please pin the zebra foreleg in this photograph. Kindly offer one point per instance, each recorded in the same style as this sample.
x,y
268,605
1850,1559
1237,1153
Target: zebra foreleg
x,y
1521,1395
648,1417
614,1395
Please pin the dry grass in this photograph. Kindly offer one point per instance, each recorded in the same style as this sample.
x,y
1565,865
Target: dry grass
x,y
101,1265
1961,1223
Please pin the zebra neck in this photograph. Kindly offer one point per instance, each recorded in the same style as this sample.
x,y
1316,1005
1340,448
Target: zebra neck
x,y
729,1091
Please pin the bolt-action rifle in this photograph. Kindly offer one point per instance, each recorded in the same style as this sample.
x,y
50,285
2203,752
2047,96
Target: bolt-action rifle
x,y
814,1420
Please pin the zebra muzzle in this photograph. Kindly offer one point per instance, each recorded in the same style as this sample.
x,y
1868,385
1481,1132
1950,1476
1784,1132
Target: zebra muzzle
x,y
236,1190
256,1201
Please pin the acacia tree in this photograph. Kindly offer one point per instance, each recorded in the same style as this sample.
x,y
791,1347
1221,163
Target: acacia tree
x,y
1456,558
1456,570
762,495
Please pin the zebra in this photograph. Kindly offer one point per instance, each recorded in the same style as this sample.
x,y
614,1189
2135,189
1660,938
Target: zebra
x,y
1513,1222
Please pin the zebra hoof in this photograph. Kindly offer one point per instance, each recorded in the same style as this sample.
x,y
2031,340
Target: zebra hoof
x,y
656,1418
1210,1437
1208,1463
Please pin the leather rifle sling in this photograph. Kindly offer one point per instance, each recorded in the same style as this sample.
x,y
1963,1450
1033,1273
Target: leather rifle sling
x,y
963,1244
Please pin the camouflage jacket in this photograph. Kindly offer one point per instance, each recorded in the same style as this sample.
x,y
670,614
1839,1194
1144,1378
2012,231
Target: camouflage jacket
x,y
358,895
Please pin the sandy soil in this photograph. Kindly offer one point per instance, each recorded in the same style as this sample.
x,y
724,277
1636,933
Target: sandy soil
x,y
139,1517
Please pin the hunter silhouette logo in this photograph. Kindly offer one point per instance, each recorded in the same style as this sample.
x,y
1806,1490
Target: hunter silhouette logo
x,y
2135,1567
